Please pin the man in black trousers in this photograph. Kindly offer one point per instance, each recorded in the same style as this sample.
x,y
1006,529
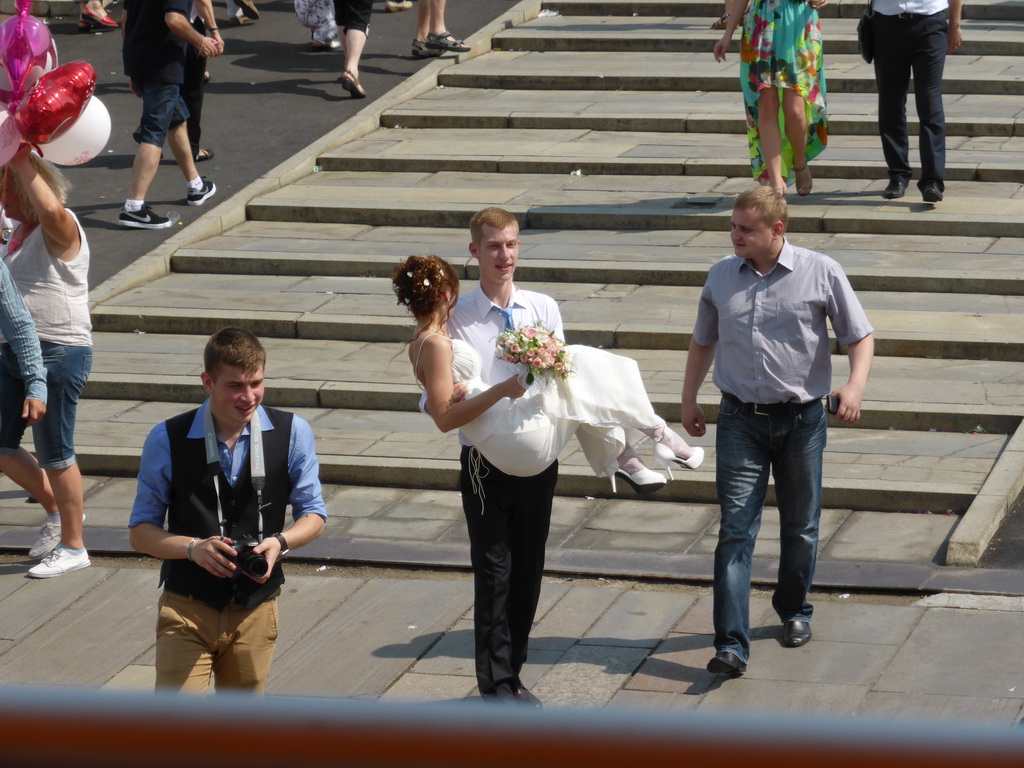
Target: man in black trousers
x,y
507,517
912,37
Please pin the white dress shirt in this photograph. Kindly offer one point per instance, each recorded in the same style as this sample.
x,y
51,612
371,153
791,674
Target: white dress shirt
x,y
918,7
474,321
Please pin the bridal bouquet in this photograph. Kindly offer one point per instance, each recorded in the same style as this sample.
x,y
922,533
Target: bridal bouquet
x,y
539,349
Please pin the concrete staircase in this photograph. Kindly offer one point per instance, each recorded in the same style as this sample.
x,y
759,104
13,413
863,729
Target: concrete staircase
x,y
616,139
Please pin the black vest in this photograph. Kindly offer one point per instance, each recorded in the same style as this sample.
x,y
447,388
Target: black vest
x,y
193,511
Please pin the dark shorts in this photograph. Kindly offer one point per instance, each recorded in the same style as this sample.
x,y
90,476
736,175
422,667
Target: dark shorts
x,y
162,110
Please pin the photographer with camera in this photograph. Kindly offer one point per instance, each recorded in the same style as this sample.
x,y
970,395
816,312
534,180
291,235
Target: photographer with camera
x,y
221,480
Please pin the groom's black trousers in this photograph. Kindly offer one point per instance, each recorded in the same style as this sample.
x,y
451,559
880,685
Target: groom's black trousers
x,y
508,531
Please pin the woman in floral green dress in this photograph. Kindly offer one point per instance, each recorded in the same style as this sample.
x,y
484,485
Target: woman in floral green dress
x,y
780,53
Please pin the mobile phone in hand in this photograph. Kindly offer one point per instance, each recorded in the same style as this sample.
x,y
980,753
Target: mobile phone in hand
x,y
832,404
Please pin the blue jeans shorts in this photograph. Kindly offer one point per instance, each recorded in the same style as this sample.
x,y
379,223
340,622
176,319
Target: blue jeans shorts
x,y
67,370
162,110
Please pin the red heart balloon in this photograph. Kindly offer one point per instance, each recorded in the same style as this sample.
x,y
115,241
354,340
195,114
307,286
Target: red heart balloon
x,y
56,101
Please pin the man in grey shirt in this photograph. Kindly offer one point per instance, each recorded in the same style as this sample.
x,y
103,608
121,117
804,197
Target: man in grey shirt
x,y
762,321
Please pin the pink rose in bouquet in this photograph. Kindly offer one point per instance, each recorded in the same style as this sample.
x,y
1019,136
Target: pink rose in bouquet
x,y
537,348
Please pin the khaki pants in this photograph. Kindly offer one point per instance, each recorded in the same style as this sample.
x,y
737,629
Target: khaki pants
x,y
193,641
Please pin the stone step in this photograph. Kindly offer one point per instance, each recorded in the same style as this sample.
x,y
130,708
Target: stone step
x,y
608,315
966,396
699,112
426,528
665,34
872,262
1008,10
640,71
651,153
623,203
865,469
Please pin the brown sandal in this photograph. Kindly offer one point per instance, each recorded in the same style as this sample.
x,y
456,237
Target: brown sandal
x,y
722,22
804,182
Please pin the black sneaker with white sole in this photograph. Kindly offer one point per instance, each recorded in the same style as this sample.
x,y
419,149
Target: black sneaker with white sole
x,y
144,218
201,195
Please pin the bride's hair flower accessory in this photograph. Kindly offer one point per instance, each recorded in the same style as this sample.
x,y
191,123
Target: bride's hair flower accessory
x,y
538,349
420,283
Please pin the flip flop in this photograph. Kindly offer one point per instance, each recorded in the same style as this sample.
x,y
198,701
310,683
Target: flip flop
x,y
355,90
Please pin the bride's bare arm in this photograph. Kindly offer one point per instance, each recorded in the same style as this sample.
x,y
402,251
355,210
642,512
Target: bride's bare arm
x,y
435,371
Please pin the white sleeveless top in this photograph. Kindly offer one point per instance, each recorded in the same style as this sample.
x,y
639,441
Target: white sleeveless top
x,y
56,292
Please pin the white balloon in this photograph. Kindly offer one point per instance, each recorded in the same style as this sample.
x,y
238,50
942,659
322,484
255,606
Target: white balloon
x,y
10,138
83,140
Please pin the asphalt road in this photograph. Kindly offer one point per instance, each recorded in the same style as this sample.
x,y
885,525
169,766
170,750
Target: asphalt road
x,y
270,95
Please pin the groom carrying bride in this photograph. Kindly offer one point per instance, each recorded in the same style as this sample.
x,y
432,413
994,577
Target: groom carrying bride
x,y
511,437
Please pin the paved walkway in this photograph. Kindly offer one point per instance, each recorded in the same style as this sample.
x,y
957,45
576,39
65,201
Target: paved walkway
x,y
621,221
303,255
396,636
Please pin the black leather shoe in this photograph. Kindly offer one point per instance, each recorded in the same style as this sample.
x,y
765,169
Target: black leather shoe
x,y
726,663
796,633
523,696
896,189
931,191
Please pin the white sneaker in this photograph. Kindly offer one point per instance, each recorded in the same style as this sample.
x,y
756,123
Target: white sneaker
x,y
49,538
59,562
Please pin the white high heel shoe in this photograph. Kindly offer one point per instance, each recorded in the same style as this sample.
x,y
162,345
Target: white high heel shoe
x,y
643,481
663,454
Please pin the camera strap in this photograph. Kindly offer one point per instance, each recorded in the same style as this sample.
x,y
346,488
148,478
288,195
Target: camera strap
x,y
257,466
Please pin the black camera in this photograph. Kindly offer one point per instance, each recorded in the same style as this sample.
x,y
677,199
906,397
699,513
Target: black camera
x,y
249,562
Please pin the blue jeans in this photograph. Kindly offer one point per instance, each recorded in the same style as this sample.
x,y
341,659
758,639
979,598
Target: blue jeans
x,y
162,110
789,442
67,370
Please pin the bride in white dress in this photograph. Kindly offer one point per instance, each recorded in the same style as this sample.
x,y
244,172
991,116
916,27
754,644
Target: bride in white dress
x,y
521,430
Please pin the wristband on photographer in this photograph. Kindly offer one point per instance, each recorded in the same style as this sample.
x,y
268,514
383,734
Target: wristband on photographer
x,y
284,544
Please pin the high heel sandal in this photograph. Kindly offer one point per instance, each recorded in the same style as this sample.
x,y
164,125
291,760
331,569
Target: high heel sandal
x,y
666,456
804,182
643,481
89,23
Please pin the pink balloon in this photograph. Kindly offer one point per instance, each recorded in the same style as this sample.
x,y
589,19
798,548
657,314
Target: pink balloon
x,y
56,102
27,52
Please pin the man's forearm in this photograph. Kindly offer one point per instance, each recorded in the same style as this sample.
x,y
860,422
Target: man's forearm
x,y
303,531
698,363
153,540
861,354
181,29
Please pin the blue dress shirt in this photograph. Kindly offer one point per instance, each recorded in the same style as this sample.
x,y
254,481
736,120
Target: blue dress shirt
x,y
152,495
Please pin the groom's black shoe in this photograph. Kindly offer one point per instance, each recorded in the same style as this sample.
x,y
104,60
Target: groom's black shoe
x,y
896,189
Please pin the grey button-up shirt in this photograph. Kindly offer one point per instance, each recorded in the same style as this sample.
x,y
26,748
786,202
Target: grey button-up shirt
x,y
773,344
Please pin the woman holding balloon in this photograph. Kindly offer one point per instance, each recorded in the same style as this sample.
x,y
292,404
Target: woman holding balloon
x,y
48,257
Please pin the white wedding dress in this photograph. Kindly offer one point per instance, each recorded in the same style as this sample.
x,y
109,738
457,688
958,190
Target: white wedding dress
x,y
603,403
